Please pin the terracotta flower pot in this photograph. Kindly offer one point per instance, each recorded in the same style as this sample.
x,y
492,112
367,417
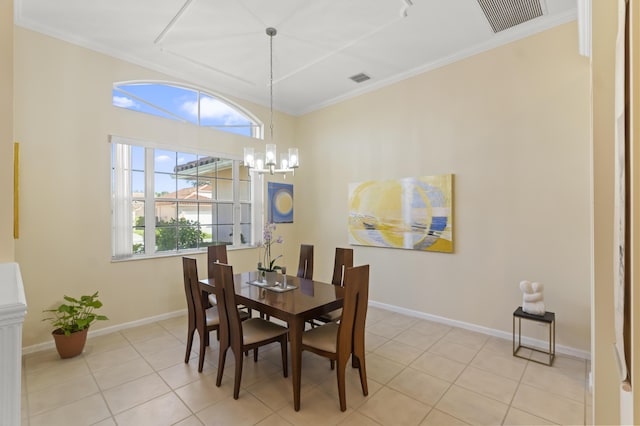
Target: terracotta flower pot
x,y
72,345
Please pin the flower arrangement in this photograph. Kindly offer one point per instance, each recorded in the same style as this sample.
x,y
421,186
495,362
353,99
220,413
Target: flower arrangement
x,y
269,263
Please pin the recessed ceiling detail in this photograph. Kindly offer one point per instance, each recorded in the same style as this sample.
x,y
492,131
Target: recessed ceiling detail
x,y
219,46
504,14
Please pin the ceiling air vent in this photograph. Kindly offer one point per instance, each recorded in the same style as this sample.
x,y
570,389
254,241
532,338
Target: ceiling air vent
x,y
504,14
359,78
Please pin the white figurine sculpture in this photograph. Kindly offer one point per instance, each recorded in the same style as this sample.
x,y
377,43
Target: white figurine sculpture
x,y
532,297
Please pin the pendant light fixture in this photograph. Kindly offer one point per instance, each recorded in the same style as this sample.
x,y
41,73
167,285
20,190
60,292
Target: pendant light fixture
x,y
267,162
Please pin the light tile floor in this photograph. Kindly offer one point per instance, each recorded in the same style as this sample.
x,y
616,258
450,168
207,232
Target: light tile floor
x,y
419,373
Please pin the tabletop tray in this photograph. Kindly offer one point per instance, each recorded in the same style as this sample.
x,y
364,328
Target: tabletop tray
x,y
275,288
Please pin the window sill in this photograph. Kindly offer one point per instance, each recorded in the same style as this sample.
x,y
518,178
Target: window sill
x,y
176,254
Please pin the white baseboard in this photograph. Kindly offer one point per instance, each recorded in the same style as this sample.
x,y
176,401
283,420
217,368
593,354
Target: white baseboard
x,y
100,332
566,350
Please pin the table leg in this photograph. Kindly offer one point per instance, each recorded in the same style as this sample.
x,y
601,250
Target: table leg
x,y
296,328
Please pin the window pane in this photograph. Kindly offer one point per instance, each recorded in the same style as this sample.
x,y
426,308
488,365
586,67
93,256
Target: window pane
x,y
207,235
166,212
122,99
176,101
137,207
137,158
187,163
245,213
245,233
225,189
165,185
188,212
167,237
204,189
225,234
164,161
186,187
245,191
205,216
189,237
138,240
137,184
225,214
216,113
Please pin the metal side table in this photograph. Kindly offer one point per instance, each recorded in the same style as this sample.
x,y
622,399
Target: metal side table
x,y
548,318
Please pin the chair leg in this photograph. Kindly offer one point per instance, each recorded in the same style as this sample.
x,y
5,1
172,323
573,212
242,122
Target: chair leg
x,y
341,384
187,355
285,362
238,374
255,355
363,376
333,364
202,350
221,359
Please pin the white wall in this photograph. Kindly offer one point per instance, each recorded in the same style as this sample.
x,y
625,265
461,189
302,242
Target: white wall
x,y
512,124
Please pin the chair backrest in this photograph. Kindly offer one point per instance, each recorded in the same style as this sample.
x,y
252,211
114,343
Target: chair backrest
x,y
343,260
192,290
305,265
354,309
216,254
227,306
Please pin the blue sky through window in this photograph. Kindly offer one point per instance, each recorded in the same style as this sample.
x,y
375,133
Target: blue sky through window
x,y
179,103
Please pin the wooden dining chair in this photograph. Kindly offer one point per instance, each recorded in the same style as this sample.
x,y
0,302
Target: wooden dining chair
x,y
218,254
200,319
242,336
215,254
305,265
338,341
342,260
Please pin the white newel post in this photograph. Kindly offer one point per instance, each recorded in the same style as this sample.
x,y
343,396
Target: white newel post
x,y
13,307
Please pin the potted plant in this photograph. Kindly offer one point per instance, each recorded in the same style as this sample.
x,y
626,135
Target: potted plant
x,y
71,323
269,268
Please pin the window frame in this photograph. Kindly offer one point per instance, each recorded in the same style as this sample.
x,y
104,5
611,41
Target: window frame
x,y
150,199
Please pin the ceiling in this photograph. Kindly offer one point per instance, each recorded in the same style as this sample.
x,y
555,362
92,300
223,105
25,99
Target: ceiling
x,y
221,45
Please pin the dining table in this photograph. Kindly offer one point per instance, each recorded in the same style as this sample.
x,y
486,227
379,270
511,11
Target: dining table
x,y
299,302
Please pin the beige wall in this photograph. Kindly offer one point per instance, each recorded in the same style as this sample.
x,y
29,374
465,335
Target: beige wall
x,y
512,124
63,117
6,131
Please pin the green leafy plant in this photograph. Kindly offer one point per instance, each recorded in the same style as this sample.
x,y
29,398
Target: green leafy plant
x,y
76,315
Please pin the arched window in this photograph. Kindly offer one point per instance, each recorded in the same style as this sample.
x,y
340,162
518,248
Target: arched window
x,y
186,104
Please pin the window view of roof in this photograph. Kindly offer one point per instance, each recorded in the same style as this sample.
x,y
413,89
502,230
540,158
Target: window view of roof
x,y
186,105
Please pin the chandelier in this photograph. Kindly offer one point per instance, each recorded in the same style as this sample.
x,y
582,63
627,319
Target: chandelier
x,y
267,162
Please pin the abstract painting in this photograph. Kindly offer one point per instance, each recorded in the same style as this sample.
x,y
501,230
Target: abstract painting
x,y
280,205
411,213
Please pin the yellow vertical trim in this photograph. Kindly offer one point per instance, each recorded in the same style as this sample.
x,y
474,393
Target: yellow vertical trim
x,y
16,190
